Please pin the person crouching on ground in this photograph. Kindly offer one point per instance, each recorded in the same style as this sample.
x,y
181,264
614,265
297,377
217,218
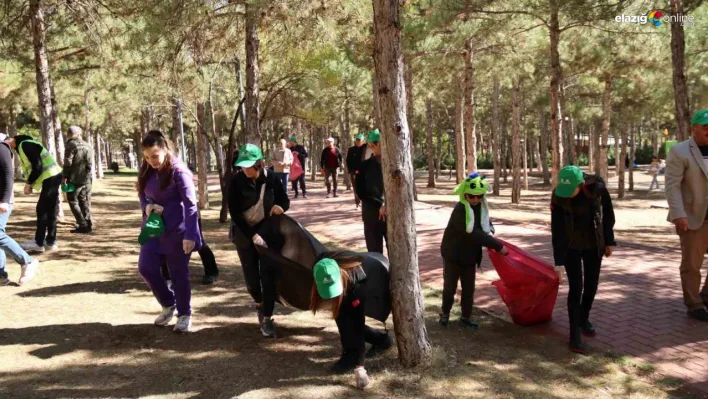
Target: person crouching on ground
x,y
254,196
468,230
582,222
166,187
341,281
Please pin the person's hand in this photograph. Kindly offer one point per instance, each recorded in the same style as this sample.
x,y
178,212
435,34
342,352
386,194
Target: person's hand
x,y
154,208
608,252
503,251
382,213
681,224
28,189
560,271
4,208
188,246
258,240
63,180
276,210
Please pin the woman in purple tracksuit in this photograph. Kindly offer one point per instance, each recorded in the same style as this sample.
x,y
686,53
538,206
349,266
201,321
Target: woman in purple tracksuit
x,y
165,186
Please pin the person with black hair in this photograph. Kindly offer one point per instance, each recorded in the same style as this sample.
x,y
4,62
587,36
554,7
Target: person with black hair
x,y
254,196
370,189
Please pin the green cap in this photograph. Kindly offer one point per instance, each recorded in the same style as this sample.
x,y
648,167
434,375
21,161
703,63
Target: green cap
x,y
328,278
374,136
700,117
569,179
154,227
359,136
248,155
293,138
68,187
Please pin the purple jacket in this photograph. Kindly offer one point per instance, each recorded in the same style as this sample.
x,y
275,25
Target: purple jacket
x,y
180,203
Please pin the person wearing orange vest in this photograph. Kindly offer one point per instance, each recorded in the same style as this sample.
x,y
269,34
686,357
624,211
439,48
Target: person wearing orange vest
x,y
42,173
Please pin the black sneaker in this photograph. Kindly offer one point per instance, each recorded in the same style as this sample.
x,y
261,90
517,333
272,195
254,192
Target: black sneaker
x,y
81,230
444,320
335,195
699,314
268,328
296,195
469,323
376,350
588,329
346,363
209,279
259,313
576,342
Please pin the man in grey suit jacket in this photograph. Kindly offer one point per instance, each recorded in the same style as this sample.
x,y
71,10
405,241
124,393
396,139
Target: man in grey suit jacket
x,y
687,195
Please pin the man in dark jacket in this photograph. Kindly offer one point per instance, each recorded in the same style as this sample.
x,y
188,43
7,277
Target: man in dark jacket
x,y
301,152
254,196
355,156
77,171
582,222
330,162
370,189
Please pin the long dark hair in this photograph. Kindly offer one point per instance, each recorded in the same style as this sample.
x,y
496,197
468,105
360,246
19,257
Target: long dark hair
x,y
152,139
346,263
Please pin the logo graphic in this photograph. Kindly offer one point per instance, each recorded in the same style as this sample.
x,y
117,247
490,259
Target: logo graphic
x,y
565,181
327,280
655,17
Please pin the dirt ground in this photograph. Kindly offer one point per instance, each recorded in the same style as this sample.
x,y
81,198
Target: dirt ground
x,y
82,329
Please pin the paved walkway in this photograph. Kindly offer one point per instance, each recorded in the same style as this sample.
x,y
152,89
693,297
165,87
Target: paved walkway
x,y
638,310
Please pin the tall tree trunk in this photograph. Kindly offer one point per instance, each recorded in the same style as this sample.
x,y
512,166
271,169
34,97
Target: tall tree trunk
x,y
253,133
375,100
526,158
459,141
58,136
678,58
516,145
97,151
619,160
631,158
87,126
203,184
470,116
604,135
431,150
407,301
44,96
315,151
346,132
572,142
438,154
496,135
175,131
543,148
592,140
655,143
218,151
556,84
410,112
505,149
242,108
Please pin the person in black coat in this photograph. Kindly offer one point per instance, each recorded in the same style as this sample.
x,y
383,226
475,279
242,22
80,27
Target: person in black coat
x,y
302,155
468,230
355,155
582,222
254,196
370,189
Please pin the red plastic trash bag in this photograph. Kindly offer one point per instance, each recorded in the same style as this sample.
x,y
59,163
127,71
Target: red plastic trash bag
x,y
296,168
528,285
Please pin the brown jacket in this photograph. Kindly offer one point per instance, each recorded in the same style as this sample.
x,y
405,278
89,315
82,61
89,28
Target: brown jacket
x,y
687,184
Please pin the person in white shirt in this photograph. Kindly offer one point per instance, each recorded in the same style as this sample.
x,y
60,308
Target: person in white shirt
x,y
282,159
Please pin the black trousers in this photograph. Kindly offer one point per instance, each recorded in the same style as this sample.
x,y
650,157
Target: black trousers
x,y
260,276
331,172
374,228
583,270
353,331
47,211
300,179
80,204
452,272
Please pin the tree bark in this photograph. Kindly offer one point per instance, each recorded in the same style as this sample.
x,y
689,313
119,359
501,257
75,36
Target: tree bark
x,y
592,140
604,134
44,96
410,112
459,141
631,158
556,83
203,184
678,58
505,149
496,136
253,133
438,154
431,150
375,99
470,116
346,137
58,136
407,301
543,148
174,132
99,158
572,142
516,145
619,160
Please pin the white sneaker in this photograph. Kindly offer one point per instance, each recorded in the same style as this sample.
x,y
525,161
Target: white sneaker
x,y
31,246
28,272
362,379
184,323
166,316
51,247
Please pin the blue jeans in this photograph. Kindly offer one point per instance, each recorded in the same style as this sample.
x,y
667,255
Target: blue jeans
x,y
283,177
9,246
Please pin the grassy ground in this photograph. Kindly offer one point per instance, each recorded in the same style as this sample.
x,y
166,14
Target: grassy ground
x,y
82,329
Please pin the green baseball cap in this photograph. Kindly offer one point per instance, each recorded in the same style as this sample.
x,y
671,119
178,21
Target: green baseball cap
x,y
374,136
154,227
569,178
328,278
293,138
248,155
359,136
700,117
68,187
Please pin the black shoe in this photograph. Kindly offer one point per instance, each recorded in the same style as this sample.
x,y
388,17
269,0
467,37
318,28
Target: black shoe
x,y
576,342
444,320
346,363
469,323
210,279
588,329
304,195
81,230
376,350
699,314
578,348
268,328
335,195
296,195
259,313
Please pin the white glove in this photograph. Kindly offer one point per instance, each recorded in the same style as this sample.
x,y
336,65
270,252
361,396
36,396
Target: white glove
x,y
258,240
560,271
362,379
4,208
